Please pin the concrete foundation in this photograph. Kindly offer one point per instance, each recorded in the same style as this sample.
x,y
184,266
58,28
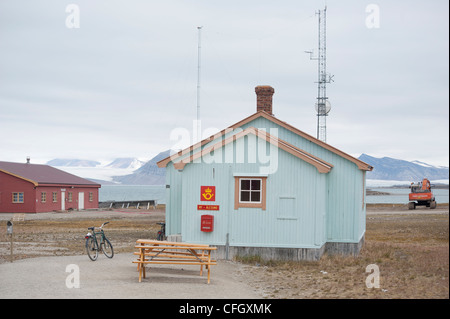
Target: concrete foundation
x,y
291,254
174,238
352,249
271,253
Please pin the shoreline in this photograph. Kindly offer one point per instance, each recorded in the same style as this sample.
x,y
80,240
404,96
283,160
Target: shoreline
x,y
159,212
403,207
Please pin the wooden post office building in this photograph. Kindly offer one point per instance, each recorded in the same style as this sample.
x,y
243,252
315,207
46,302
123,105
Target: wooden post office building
x,y
263,187
32,188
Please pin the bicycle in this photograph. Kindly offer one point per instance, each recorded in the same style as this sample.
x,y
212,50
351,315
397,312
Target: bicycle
x,y
93,246
161,233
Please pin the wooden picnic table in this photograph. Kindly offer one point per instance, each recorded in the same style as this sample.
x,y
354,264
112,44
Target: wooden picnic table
x,y
166,252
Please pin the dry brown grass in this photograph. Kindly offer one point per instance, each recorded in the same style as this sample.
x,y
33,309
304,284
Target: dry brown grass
x,y
411,251
33,238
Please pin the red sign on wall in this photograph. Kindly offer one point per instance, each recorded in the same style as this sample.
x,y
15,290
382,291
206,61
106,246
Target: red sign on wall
x,y
208,193
207,207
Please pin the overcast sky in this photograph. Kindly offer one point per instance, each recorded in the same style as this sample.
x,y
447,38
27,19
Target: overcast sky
x,y
121,82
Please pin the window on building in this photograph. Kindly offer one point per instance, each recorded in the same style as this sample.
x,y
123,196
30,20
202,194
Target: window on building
x,y
70,196
55,197
91,196
17,198
44,197
250,192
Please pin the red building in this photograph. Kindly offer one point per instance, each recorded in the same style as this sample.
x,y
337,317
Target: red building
x,y
33,188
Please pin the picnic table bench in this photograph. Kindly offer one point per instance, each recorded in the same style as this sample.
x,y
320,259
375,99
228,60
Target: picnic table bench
x,y
166,252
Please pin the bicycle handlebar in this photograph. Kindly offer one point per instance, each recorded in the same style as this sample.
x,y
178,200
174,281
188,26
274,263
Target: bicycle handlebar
x,y
101,227
104,224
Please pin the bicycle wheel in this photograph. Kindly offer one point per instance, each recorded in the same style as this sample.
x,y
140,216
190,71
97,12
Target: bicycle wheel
x,y
160,236
108,248
91,249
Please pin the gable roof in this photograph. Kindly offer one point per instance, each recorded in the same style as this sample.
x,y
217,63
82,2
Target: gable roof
x,y
43,174
360,164
322,166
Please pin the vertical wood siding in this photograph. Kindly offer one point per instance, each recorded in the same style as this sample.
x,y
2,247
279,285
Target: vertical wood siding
x,y
303,207
295,204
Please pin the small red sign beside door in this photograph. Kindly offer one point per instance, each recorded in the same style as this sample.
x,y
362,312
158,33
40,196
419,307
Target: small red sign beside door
x,y
208,193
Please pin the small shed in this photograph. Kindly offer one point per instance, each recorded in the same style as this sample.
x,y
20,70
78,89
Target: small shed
x,y
33,188
263,187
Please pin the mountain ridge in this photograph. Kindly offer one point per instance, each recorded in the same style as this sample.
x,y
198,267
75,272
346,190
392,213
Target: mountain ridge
x,y
387,168
130,171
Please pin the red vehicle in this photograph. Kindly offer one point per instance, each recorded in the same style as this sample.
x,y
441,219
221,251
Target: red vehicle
x,y
421,195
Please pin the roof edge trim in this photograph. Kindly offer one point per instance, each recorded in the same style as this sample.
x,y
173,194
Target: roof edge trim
x,y
319,164
360,164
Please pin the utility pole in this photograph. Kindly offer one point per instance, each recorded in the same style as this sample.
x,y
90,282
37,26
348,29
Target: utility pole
x,y
322,106
198,128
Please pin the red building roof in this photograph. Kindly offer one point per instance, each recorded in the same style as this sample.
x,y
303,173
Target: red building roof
x,y
43,174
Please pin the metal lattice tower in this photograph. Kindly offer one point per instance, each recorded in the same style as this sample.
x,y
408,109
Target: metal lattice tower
x,y
323,106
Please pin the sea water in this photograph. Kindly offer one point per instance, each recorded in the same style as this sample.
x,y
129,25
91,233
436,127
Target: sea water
x,y
400,195
132,193
158,193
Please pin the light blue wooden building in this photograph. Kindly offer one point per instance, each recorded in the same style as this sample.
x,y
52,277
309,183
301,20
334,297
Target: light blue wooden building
x,y
271,189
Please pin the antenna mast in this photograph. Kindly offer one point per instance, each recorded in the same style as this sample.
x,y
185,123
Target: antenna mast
x,y
323,106
198,133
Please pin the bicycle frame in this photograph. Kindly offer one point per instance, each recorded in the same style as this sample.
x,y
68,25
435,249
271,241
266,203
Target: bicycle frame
x,y
93,246
161,235
94,235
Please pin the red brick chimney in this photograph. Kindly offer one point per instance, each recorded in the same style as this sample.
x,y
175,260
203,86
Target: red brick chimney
x,y
264,98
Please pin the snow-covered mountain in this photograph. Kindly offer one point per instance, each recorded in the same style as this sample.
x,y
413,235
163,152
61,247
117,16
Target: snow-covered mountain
x,y
148,174
126,163
102,173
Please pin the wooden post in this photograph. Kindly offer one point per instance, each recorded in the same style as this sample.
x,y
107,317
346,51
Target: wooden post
x,y
209,266
12,255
